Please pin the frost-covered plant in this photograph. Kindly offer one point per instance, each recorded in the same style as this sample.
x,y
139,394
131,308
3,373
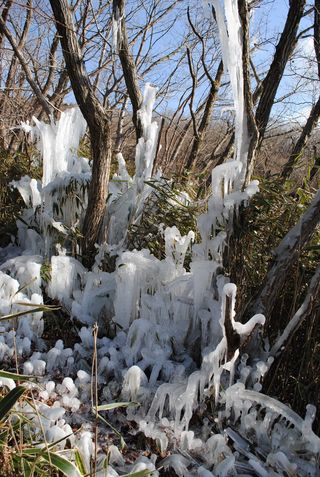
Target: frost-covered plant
x,y
177,343
168,205
55,205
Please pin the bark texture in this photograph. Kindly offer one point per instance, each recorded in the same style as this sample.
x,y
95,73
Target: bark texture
x,y
282,54
302,141
206,117
98,121
128,66
315,111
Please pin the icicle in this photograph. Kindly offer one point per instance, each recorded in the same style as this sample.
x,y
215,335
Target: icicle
x,y
231,46
116,30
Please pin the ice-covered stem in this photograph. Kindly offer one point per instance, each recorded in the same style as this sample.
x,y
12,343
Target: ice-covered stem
x,y
301,314
284,257
147,144
228,307
237,395
231,37
234,331
250,147
116,32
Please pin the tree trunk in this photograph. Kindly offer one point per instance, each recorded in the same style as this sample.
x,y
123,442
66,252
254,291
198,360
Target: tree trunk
x,y
315,112
101,161
128,65
283,52
302,141
205,120
98,121
306,309
4,17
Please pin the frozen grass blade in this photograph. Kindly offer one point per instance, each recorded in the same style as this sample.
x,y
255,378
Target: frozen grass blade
x,y
140,473
41,308
115,405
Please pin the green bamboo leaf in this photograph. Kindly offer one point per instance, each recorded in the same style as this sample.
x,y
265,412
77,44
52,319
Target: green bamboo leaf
x,y
79,462
7,403
63,465
122,442
18,313
140,473
16,376
115,405
41,305
26,312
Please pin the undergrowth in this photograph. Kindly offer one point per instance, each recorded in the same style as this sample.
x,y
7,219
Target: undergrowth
x,y
167,206
13,167
270,215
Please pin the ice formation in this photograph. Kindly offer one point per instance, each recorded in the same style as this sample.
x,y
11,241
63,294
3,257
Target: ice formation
x,y
55,206
230,31
169,326
116,29
127,200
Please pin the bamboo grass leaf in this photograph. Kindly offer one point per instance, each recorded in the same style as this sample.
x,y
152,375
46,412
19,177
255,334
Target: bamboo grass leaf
x,y
79,462
16,376
60,463
140,473
115,405
7,403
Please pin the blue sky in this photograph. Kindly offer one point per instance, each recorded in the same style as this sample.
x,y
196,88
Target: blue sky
x,y
270,19
267,24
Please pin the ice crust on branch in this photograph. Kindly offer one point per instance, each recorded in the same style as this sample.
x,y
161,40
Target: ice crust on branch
x,y
127,200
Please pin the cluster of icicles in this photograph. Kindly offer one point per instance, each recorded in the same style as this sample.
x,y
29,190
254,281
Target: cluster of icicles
x,y
170,350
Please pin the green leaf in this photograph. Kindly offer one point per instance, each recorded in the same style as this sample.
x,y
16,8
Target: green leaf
x,y
140,473
16,376
79,462
115,405
41,305
63,465
26,312
7,403
122,442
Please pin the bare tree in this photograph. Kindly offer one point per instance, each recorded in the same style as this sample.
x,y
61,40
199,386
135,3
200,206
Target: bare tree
x,y
128,65
314,116
201,129
284,49
98,119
